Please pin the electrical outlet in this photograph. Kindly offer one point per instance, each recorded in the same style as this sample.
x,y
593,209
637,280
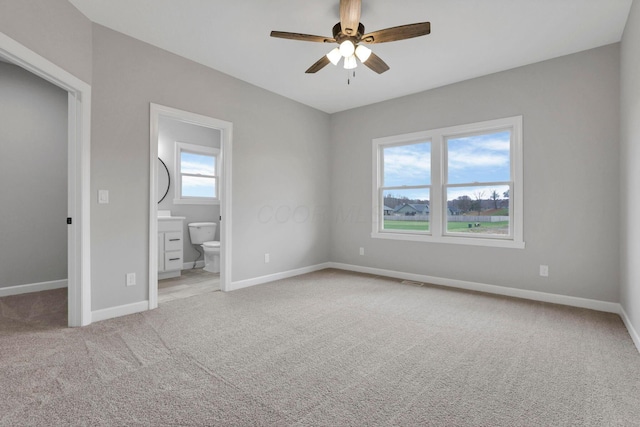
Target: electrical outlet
x,y
266,258
361,251
131,279
544,270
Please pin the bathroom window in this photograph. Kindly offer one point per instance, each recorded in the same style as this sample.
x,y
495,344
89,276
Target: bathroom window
x,y
197,174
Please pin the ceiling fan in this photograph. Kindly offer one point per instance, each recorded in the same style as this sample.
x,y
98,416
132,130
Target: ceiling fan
x,y
349,34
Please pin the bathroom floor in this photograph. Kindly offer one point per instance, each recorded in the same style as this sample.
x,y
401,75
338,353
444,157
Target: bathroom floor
x,y
192,282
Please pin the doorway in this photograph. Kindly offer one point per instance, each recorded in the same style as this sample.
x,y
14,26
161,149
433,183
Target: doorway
x,y
78,172
158,113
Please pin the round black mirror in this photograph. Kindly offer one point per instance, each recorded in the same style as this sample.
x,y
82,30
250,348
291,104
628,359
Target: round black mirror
x,y
164,180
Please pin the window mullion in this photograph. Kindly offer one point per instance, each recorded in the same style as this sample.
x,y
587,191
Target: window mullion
x,y
479,184
436,187
198,175
406,187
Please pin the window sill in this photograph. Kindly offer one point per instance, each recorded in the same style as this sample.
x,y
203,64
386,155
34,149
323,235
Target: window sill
x,y
472,241
195,202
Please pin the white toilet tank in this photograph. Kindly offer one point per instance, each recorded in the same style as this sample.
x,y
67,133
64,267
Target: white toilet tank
x,y
201,232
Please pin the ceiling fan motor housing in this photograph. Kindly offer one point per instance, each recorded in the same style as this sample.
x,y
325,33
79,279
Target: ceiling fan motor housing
x,y
339,36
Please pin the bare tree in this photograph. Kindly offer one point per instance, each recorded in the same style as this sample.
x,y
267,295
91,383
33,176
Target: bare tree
x,y
477,203
495,197
463,203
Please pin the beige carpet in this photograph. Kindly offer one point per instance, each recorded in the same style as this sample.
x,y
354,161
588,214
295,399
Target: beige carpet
x,y
329,349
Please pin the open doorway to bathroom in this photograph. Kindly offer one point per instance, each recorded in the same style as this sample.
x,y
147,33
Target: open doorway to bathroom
x,y
190,161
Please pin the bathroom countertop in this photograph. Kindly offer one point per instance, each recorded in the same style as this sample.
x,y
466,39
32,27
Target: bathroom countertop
x,y
169,218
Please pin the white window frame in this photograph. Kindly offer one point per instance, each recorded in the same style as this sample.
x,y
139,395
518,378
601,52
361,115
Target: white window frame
x,y
438,203
179,199
381,188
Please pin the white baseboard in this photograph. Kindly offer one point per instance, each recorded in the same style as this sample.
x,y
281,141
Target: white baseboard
x,y
189,265
605,306
121,310
608,307
32,287
277,276
632,331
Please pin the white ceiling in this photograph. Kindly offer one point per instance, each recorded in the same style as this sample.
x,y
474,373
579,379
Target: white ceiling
x,y
469,38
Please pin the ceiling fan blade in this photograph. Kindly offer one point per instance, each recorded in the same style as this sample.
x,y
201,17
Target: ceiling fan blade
x,y
350,16
398,33
376,64
322,62
302,37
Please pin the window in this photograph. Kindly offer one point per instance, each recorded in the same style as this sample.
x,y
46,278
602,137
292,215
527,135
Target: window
x,y
197,174
406,185
461,185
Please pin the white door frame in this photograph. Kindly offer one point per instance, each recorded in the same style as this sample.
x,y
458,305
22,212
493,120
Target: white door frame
x,y
226,131
79,172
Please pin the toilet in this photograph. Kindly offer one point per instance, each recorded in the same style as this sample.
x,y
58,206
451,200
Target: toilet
x,y
203,233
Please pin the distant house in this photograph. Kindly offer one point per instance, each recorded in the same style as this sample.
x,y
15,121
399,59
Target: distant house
x,y
410,209
388,210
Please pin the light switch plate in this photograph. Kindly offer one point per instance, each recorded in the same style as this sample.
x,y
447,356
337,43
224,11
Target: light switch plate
x,y
103,196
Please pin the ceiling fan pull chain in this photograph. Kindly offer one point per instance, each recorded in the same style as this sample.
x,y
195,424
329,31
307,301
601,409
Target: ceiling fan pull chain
x,y
349,77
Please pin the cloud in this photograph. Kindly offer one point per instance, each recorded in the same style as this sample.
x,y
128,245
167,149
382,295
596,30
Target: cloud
x,y
496,145
407,165
198,187
477,152
195,167
196,181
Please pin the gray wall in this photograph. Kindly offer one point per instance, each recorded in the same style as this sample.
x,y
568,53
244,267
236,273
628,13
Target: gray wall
x,y
33,173
172,131
282,182
571,158
54,29
630,169
280,157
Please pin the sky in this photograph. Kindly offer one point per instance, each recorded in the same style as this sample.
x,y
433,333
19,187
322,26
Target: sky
x,y
198,164
470,160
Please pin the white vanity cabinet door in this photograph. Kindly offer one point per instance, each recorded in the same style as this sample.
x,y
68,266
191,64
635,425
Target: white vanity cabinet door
x,y
170,247
173,241
160,251
173,260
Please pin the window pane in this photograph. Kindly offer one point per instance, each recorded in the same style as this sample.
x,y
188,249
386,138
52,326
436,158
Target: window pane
x,y
406,210
479,158
198,164
480,210
195,186
407,165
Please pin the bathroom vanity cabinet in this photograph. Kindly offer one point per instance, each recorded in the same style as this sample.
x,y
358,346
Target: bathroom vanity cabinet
x,y
170,246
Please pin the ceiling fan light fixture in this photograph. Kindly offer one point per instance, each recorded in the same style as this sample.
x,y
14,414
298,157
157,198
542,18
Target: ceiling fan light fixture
x,y
349,32
347,48
350,62
363,53
334,56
